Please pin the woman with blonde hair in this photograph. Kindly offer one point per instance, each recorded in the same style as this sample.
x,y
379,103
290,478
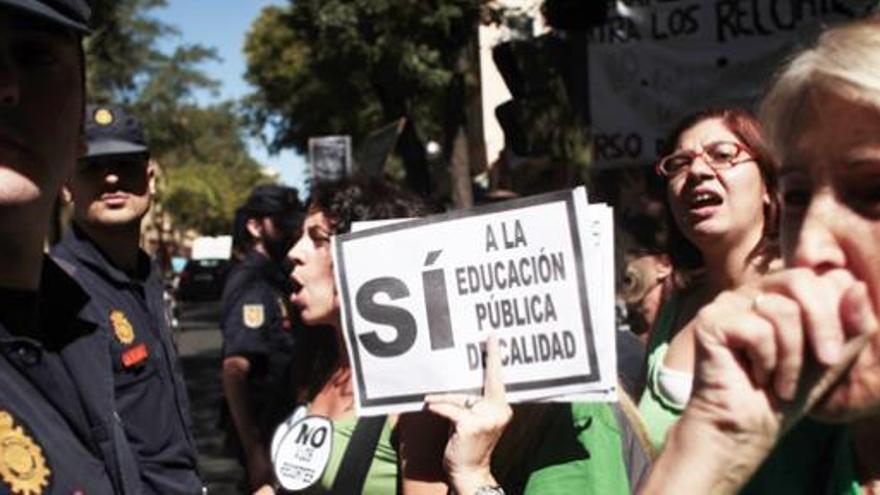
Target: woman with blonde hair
x,y
803,340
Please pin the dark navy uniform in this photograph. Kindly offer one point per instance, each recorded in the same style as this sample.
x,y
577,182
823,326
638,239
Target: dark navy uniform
x,y
257,325
139,362
56,434
56,460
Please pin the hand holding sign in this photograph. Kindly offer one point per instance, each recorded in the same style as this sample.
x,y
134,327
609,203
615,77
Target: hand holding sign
x,y
477,424
417,299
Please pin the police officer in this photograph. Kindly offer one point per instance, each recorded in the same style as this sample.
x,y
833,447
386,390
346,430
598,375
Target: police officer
x,y
111,189
257,326
53,437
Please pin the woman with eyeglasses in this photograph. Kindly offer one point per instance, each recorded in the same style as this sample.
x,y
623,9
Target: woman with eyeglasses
x,y
721,200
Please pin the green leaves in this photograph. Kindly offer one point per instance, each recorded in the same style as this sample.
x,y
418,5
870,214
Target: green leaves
x,y
350,66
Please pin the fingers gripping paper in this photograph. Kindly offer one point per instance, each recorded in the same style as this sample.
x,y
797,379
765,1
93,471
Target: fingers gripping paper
x,y
419,298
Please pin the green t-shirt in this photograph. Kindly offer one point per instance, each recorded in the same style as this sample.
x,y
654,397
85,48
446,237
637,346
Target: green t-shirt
x,y
811,455
382,476
580,452
659,414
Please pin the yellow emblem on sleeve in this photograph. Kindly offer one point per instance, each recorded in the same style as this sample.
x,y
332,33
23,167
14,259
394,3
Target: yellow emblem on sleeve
x,y
253,315
22,465
121,327
103,116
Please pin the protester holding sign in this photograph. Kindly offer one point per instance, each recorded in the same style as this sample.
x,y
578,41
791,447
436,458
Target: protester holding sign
x,y
546,449
478,423
761,348
327,388
722,199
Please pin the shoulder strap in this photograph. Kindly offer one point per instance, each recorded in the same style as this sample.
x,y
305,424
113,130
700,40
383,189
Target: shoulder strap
x,y
358,457
663,325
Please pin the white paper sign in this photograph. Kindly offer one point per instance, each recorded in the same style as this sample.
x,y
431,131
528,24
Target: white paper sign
x,y
282,429
418,298
598,231
303,453
655,61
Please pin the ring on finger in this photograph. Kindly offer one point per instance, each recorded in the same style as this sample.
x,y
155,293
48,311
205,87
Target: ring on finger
x,y
757,300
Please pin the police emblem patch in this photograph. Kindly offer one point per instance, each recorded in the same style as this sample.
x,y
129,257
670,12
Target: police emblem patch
x,y
23,467
103,116
253,315
121,327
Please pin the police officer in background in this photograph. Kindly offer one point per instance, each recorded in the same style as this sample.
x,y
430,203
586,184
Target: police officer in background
x,y
55,435
111,189
258,333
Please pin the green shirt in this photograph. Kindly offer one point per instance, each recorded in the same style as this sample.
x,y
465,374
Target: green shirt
x,y
811,455
581,452
659,414
382,476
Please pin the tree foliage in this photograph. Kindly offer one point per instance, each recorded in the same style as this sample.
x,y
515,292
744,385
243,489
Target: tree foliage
x,y
349,66
202,149
212,173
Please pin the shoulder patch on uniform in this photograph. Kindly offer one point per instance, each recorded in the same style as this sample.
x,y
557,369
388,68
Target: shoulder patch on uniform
x,y
23,468
103,117
122,328
253,315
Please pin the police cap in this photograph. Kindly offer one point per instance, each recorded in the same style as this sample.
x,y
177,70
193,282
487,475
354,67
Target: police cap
x,y
279,202
73,14
110,130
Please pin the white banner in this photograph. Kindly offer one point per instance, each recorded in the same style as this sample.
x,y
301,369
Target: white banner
x,y
656,61
419,298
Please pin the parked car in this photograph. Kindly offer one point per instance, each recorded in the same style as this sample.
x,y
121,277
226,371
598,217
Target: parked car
x,y
202,280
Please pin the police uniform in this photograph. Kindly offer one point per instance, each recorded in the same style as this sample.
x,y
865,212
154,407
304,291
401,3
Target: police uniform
x,y
140,362
56,435
257,321
257,325
40,454
137,351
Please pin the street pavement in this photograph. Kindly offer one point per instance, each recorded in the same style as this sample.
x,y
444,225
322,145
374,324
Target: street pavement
x,y
198,343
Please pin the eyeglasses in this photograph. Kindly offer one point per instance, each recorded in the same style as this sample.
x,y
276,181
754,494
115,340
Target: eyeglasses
x,y
719,155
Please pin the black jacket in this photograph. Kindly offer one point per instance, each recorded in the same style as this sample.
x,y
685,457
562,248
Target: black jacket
x,y
139,373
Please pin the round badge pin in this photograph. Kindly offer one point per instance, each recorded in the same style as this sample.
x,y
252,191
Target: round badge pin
x,y
281,430
304,452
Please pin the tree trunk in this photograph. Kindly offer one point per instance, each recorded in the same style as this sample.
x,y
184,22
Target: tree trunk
x,y
460,171
412,152
465,124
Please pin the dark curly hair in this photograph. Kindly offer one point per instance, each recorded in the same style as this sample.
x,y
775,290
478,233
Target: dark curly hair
x,y
683,253
342,202
362,197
